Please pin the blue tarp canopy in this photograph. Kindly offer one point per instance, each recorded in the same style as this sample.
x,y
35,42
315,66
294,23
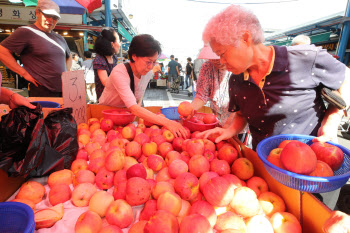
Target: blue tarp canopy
x,y
66,6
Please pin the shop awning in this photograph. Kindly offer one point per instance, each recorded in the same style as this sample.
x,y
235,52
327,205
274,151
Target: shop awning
x,y
71,6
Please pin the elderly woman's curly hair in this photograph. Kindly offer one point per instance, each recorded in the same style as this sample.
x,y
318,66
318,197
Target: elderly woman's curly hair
x,y
228,26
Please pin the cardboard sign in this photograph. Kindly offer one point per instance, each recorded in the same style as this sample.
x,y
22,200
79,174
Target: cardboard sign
x,y
73,91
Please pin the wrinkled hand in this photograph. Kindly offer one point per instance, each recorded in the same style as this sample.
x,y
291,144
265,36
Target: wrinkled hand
x,y
18,100
338,222
223,134
177,129
325,134
29,78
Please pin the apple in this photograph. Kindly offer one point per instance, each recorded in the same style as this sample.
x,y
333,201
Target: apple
x,y
31,190
59,193
99,153
136,170
234,180
119,213
230,220
84,139
221,167
284,222
88,221
129,161
46,218
106,124
138,227
195,147
195,223
245,202
330,154
91,146
177,167
169,201
161,187
111,135
299,158
187,186
119,176
119,191
275,158
60,177
205,177
133,149
165,148
198,164
322,170
82,126
78,164
169,136
100,201
171,156
177,143
96,164
284,143
149,148
243,168
84,176
142,138
129,132
185,210
92,120
148,210
115,161
155,162
82,194
337,222
218,192
104,179
209,145
228,153
258,185
138,191
205,209
163,175
95,126
119,142
185,109
259,224
110,229
271,203
162,221
82,154
209,119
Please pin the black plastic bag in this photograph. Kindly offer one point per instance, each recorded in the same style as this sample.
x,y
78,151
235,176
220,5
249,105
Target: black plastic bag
x,y
16,130
52,145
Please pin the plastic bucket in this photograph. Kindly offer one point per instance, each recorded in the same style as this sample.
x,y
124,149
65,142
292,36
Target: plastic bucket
x,y
48,104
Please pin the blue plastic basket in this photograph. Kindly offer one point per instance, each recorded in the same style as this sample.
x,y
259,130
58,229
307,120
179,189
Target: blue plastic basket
x,y
305,183
16,217
171,113
48,104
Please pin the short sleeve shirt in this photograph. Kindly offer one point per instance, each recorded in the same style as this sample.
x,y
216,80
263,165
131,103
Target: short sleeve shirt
x,y
172,64
43,54
213,85
100,63
118,93
289,101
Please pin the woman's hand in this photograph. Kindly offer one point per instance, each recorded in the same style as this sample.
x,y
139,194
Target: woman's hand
x,y
177,129
223,134
29,78
328,131
17,100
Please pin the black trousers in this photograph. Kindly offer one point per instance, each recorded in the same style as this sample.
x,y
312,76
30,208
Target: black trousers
x,y
42,91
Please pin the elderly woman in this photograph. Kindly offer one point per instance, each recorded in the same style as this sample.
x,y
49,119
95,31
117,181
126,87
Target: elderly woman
x,y
127,82
213,85
273,88
106,46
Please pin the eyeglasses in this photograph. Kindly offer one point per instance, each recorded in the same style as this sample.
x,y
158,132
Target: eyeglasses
x,y
150,63
54,17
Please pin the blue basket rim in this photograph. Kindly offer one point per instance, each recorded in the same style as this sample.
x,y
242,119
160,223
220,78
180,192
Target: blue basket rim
x,y
24,207
299,176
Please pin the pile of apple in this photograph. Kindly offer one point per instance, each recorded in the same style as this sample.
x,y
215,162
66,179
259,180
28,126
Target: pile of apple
x,y
319,159
179,185
185,109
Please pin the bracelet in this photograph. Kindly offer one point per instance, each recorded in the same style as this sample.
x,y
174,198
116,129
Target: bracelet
x,y
11,97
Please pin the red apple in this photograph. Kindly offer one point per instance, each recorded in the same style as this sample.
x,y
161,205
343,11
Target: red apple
x,y
322,170
195,223
205,209
187,186
177,143
218,192
185,109
330,154
136,170
209,119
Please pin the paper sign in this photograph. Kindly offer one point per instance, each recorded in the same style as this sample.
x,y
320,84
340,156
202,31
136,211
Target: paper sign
x,y
73,90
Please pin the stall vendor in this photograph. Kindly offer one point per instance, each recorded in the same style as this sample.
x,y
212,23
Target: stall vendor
x,y
44,53
128,81
274,89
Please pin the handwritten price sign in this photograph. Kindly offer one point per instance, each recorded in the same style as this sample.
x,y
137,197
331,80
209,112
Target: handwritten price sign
x,y
73,88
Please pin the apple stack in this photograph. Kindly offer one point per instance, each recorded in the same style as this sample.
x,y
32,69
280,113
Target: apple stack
x,y
143,179
320,159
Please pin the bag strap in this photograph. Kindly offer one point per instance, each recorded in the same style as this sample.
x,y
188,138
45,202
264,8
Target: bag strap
x,y
131,75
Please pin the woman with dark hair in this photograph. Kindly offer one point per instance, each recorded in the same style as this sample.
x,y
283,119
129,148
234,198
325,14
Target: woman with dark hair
x,y
106,46
128,81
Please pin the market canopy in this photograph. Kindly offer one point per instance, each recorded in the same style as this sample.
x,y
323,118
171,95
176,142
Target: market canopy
x,y
71,6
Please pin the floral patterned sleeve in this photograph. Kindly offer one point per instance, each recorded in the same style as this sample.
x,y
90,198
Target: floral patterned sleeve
x,y
205,82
